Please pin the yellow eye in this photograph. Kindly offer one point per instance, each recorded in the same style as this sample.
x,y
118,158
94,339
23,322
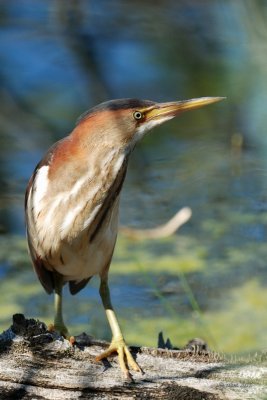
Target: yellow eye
x,y
138,115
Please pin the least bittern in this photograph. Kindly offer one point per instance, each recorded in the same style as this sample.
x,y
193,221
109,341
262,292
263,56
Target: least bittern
x,y
72,202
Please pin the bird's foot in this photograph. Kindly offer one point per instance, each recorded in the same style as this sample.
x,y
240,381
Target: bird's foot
x,y
126,360
62,330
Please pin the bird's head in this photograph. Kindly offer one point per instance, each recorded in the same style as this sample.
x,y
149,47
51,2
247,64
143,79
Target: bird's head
x,y
125,121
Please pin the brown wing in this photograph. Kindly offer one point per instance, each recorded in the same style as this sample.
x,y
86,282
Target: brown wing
x,y
45,276
75,287
40,264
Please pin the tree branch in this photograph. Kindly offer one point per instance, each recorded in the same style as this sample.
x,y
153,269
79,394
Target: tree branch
x,y
35,363
168,229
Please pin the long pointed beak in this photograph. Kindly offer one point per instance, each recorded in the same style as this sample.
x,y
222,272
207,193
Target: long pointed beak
x,y
171,109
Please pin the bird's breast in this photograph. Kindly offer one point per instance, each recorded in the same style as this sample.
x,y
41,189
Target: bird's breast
x,y
82,259
73,221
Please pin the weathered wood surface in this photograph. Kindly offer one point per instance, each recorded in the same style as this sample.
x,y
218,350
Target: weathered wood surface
x,y
36,364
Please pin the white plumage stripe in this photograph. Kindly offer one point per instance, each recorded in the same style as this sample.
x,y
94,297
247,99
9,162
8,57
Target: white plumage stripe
x,y
39,189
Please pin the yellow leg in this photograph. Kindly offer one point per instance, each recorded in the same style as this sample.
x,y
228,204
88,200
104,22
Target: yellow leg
x,y
59,324
118,343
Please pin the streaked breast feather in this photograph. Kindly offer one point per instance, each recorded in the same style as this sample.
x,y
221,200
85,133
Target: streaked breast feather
x,y
54,216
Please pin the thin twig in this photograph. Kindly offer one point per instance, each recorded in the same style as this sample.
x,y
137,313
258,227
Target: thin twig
x,y
165,230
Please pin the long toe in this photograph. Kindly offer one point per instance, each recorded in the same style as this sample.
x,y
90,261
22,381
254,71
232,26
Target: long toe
x,y
125,358
62,330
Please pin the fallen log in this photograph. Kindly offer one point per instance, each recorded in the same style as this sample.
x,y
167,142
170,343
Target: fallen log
x,y
38,364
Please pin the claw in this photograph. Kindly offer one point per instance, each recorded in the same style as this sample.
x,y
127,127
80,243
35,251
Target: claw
x,y
125,358
63,331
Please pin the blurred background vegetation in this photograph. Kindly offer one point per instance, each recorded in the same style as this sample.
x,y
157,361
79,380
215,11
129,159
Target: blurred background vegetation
x,y
59,58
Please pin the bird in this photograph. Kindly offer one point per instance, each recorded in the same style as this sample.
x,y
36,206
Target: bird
x,y
72,203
